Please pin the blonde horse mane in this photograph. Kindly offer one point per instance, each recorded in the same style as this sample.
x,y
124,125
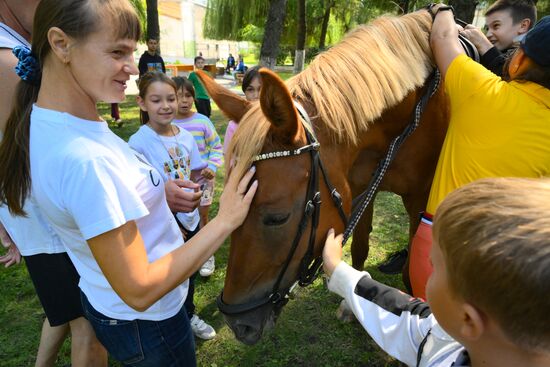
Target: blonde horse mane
x,y
372,69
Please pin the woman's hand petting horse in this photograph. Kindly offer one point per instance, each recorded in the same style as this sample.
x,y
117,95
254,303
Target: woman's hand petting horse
x,y
236,198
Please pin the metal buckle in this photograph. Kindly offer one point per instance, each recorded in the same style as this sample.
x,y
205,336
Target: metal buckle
x,y
317,198
275,298
309,208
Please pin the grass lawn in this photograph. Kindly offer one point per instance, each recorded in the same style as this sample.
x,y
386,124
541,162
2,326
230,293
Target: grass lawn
x,y
307,332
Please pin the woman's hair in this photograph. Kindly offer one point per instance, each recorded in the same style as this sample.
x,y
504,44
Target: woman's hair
x,y
144,82
184,84
78,19
249,76
536,73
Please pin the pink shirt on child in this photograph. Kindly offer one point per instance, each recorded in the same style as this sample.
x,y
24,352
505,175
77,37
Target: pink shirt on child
x,y
231,127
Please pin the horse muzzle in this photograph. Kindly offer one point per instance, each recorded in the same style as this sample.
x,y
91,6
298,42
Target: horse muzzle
x,y
248,321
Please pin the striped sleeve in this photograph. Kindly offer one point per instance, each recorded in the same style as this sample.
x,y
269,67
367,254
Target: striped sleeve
x,y
213,145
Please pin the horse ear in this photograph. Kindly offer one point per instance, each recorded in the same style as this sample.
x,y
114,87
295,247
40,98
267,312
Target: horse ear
x,y
232,105
278,107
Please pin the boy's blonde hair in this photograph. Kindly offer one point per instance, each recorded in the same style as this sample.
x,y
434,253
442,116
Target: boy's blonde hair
x,y
495,238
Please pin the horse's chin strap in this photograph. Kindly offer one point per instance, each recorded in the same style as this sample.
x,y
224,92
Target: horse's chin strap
x,y
309,266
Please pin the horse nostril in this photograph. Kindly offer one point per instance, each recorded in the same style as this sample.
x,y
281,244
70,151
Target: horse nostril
x,y
275,219
244,330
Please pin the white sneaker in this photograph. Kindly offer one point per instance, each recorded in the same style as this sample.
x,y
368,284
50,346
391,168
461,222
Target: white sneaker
x,y
201,329
208,267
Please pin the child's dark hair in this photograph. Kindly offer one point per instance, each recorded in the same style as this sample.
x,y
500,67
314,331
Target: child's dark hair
x,y
249,76
183,83
78,19
197,58
519,10
144,82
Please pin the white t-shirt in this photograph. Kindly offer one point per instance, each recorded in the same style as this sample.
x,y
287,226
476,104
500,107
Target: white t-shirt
x,y
31,234
88,181
175,156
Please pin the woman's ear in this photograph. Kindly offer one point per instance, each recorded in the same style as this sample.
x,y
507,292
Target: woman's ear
x,y
60,44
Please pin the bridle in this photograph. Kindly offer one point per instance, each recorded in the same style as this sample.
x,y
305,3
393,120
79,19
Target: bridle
x,y
309,266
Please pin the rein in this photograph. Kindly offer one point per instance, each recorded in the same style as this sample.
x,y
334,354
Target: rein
x,y
361,202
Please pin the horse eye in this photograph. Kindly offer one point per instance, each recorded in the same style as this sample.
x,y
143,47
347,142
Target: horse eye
x,y
275,219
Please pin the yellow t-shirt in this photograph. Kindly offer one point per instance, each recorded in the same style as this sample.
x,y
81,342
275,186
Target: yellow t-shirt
x,y
497,129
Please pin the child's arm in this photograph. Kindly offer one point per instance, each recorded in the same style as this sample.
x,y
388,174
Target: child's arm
x,y
396,321
213,147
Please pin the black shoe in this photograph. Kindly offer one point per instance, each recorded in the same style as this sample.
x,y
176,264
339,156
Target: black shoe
x,y
394,264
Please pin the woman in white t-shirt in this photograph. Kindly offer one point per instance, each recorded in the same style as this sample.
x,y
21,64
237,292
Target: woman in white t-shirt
x,y
106,203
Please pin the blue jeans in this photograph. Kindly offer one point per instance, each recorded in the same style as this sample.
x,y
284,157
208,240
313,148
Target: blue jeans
x,y
142,343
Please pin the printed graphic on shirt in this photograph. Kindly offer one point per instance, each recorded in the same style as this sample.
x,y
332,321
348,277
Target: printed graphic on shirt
x,y
179,164
154,66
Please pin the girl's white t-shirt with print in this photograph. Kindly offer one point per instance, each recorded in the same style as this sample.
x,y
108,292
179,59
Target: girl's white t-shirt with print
x,y
88,181
173,156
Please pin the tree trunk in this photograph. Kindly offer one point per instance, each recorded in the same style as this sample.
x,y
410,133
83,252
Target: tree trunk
x,y
153,29
403,6
301,38
464,9
324,25
272,33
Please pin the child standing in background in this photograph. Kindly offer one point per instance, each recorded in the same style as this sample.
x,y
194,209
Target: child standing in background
x,y
174,153
210,148
252,85
202,99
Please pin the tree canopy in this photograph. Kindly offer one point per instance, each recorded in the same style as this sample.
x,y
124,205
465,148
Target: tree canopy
x,y
326,20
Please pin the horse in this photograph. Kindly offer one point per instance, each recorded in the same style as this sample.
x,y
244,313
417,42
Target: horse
x,y
315,142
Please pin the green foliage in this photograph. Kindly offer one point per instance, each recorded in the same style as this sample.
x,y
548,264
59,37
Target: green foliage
x,y
543,8
226,18
141,10
252,33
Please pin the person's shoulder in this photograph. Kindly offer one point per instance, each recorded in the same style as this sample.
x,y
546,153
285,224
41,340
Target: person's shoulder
x,y
7,57
204,119
464,68
184,134
139,136
200,116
